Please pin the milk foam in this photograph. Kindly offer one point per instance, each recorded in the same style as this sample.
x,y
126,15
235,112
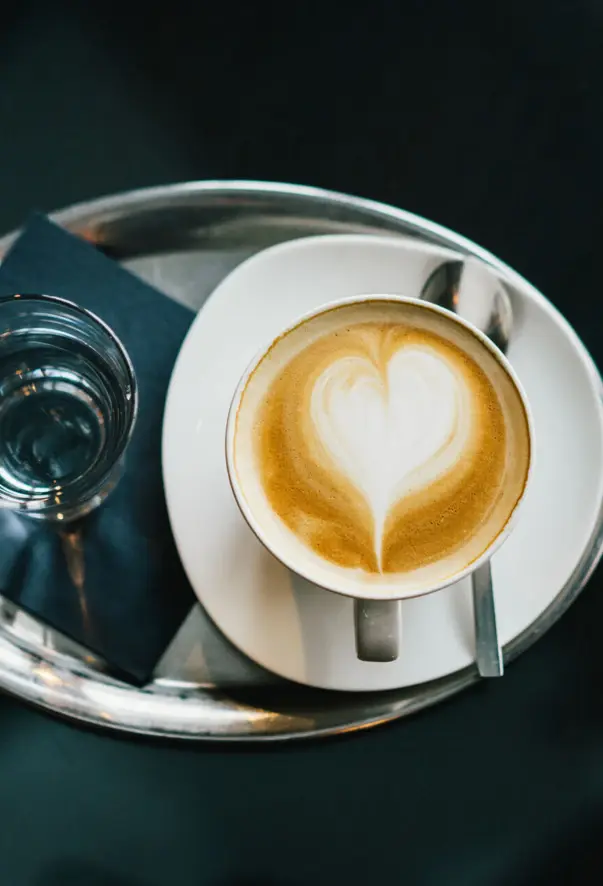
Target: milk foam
x,y
380,445
395,431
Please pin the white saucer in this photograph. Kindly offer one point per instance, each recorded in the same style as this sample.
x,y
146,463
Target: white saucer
x,y
296,629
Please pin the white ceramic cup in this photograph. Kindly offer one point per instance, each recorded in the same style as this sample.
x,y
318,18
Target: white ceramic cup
x,y
378,619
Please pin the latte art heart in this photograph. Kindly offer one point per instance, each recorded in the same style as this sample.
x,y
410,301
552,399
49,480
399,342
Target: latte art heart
x,y
382,440
391,429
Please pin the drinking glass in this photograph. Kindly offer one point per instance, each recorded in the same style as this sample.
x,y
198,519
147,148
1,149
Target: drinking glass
x,y
68,403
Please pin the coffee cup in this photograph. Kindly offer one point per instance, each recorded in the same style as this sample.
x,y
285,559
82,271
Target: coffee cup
x,y
380,447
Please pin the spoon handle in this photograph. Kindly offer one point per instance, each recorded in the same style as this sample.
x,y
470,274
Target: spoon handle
x,y
487,648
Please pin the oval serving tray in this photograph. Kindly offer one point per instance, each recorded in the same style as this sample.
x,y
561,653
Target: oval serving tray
x,y
184,239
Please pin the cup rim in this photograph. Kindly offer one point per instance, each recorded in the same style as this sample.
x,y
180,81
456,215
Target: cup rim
x,y
39,503
377,593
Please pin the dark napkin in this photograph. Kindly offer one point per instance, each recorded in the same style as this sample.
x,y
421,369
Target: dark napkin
x,y
114,582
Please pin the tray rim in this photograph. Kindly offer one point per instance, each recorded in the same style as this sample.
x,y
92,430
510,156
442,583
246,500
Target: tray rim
x,y
42,694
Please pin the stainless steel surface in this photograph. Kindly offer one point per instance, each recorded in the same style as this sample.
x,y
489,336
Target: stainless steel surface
x,y
184,239
488,654
468,288
378,625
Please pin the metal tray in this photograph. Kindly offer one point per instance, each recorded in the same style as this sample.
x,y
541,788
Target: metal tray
x,y
184,239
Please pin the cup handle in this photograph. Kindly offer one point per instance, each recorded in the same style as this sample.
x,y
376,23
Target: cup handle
x,y
378,625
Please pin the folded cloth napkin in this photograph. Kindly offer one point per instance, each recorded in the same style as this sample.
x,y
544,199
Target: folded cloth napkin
x,y
114,582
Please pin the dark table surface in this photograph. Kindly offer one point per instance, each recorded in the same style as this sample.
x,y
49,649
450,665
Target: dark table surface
x,y
484,117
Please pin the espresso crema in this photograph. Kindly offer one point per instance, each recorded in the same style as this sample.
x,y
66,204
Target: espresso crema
x,y
386,439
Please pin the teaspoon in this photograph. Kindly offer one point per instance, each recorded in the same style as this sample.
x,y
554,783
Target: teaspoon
x,y
469,289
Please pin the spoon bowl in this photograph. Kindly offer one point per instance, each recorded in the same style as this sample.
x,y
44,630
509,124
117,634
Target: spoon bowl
x,y
470,289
